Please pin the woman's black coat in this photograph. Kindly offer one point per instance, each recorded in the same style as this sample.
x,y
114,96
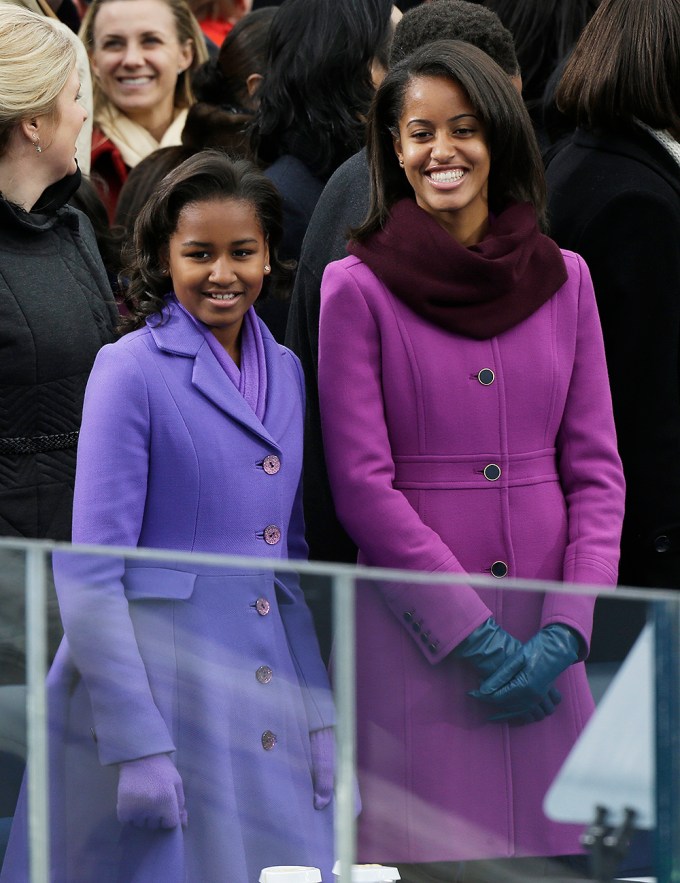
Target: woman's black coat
x,y
615,199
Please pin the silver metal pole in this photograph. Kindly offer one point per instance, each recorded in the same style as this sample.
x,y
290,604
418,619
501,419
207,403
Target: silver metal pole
x,y
36,714
345,699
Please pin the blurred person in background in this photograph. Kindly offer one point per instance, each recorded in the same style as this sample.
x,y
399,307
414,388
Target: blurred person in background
x,y
342,205
318,84
614,196
142,53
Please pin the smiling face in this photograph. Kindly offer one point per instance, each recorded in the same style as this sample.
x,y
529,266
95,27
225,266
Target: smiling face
x,y
137,58
442,146
216,259
58,137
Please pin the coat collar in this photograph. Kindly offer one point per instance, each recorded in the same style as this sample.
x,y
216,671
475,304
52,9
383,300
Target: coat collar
x,y
177,335
635,143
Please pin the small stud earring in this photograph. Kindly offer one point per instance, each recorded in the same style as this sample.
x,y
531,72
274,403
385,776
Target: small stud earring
x,y
36,144
401,163
267,268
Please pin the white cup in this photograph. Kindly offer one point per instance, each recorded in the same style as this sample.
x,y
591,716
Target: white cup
x,y
290,874
370,873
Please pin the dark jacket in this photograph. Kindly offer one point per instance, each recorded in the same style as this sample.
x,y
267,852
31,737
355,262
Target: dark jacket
x,y
343,204
56,311
615,199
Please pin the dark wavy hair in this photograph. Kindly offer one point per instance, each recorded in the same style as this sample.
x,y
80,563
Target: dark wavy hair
x,y
224,109
625,66
516,167
317,87
206,176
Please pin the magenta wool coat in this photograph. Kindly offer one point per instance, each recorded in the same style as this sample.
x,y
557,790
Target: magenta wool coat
x,y
219,667
411,416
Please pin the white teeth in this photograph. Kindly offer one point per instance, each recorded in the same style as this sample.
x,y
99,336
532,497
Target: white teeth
x,y
135,81
447,177
229,296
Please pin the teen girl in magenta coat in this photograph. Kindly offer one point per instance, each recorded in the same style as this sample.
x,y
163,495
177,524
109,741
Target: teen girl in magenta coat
x,y
468,429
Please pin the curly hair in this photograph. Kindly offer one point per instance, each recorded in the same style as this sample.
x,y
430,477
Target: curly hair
x,y
455,20
204,177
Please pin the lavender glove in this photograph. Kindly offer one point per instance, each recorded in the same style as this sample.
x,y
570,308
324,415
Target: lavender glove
x,y
322,743
150,793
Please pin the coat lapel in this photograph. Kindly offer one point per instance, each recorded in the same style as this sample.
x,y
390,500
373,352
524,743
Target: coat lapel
x,y
177,335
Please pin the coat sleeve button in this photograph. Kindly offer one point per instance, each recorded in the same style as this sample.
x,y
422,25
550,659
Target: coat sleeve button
x,y
408,616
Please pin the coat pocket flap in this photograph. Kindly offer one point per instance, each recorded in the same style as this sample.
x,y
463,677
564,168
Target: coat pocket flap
x,y
160,583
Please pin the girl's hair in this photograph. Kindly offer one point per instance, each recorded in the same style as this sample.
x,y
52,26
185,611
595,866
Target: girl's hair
x,y
516,168
317,86
544,32
625,66
207,176
36,61
223,108
187,29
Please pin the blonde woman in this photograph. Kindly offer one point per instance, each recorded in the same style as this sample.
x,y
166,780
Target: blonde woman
x,y
142,54
56,307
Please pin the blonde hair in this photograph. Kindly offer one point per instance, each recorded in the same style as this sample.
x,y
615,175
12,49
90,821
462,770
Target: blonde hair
x,y
187,29
36,60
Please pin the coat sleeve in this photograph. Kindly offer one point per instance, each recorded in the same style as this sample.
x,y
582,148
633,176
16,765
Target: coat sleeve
x,y
109,501
297,618
590,471
377,516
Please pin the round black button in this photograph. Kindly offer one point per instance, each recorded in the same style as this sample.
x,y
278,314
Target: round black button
x,y
492,472
662,544
408,616
486,377
416,627
499,569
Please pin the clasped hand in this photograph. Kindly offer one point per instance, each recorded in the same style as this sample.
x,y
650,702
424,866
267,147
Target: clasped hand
x,y
150,793
522,687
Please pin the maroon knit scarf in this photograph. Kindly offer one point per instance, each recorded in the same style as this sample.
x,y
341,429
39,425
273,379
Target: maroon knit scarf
x,y
478,292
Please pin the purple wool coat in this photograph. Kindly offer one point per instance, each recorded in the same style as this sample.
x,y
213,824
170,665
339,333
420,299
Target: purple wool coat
x,y
411,416
219,667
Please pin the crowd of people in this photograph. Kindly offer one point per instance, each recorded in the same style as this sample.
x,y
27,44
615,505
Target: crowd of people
x,y
355,282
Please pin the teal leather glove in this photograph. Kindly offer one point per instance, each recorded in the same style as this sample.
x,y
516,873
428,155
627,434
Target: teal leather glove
x,y
525,680
488,647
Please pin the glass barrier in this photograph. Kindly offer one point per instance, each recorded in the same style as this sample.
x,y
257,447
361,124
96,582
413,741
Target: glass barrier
x,y
187,730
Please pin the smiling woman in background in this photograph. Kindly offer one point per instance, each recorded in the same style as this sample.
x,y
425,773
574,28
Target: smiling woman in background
x,y
142,54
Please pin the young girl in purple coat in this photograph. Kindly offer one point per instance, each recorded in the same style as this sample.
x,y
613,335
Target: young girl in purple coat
x,y
190,714
468,429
